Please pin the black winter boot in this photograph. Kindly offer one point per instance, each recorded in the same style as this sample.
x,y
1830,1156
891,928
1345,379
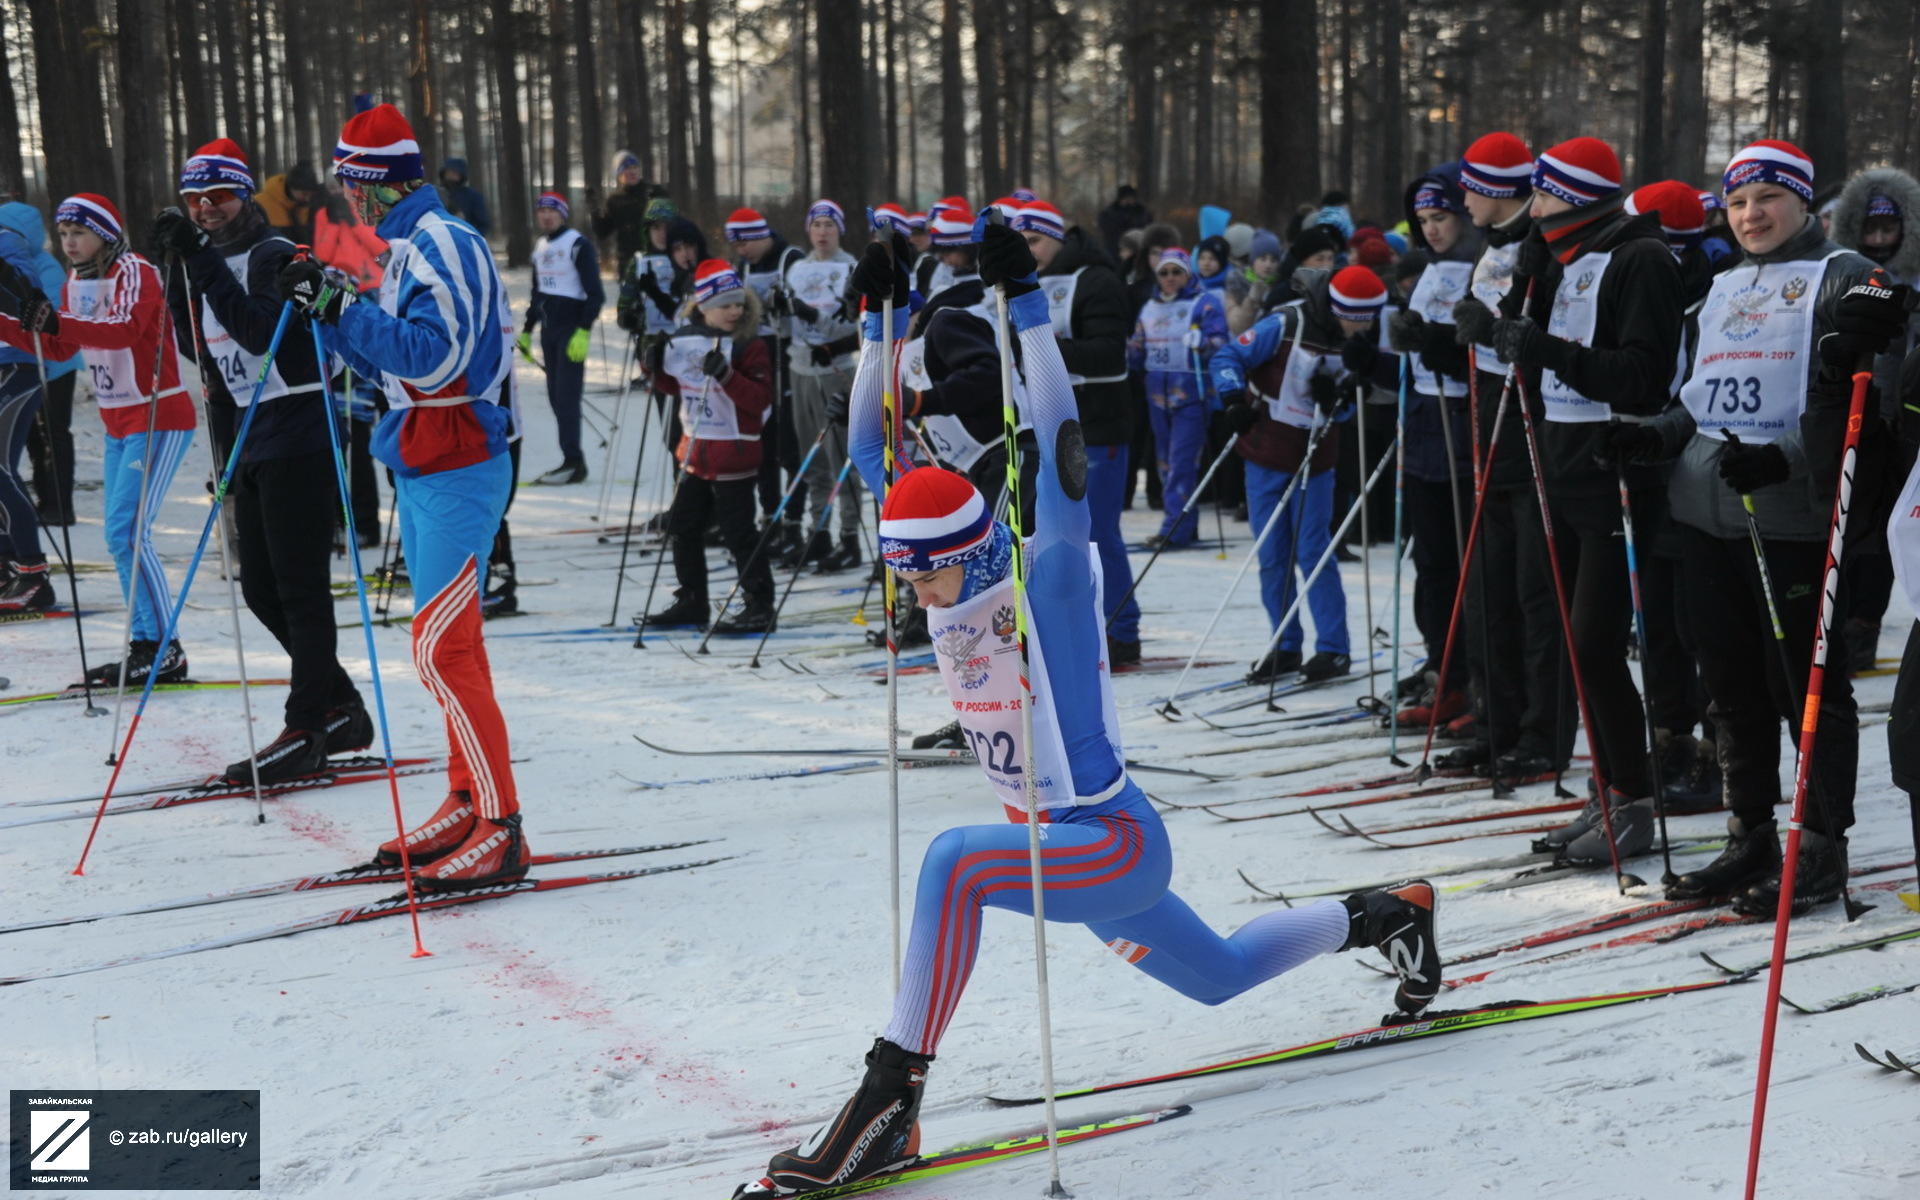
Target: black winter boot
x,y
1819,879
1398,922
1752,856
685,610
844,558
875,1131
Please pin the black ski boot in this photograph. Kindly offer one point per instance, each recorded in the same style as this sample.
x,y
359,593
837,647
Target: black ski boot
x,y
685,610
1632,819
1398,922
143,657
27,590
1524,762
876,1131
1697,791
1752,856
565,473
947,737
1277,663
1122,654
807,550
845,557
294,753
348,728
1820,878
755,616
1324,666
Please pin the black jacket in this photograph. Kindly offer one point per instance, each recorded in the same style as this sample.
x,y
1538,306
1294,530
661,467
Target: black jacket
x,y
624,216
288,425
962,361
1096,345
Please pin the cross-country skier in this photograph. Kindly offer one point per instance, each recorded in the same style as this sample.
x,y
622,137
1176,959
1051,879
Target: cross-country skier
x,y
821,361
1174,335
1300,363
762,265
226,263
567,299
112,310
1107,859
1757,357
438,342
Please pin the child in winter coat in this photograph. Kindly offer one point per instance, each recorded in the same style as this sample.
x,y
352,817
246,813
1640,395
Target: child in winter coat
x,y
1177,331
719,368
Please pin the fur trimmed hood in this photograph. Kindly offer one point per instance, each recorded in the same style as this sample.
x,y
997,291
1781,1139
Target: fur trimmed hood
x,y
1850,215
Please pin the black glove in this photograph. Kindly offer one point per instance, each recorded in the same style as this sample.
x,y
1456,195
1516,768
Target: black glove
x,y
715,364
1406,330
650,288
1240,415
1437,344
1361,353
823,356
1746,469
1006,261
21,297
1866,318
627,319
1472,323
1326,393
1513,339
1533,260
1626,443
304,284
837,405
175,233
880,276
800,308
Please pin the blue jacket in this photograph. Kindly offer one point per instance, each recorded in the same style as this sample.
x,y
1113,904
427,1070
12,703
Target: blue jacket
x,y
447,335
1189,383
464,200
23,241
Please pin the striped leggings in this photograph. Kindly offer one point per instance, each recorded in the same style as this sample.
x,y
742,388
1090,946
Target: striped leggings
x,y
143,580
19,522
1106,868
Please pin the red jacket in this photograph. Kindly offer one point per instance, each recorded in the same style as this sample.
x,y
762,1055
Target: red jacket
x,y
748,389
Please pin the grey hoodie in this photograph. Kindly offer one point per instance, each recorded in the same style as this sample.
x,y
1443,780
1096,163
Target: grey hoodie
x,y
1794,511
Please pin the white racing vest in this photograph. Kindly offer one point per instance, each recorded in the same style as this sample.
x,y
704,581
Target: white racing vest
x,y
660,267
116,382
1294,405
1756,345
1903,538
1059,290
1576,305
554,268
237,366
706,411
947,435
1442,285
821,285
1165,324
765,281
1492,279
979,656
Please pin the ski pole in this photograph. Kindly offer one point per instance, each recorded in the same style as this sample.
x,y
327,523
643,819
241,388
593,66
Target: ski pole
x,y
1168,709
366,628
890,432
1667,878
1620,876
1022,620
613,443
1855,909
1366,543
666,538
1809,728
226,568
819,523
66,534
759,547
1399,565
1193,499
193,565
633,501
1500,789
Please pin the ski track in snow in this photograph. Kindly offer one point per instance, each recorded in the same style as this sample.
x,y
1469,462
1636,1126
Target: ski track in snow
x,y
661,1036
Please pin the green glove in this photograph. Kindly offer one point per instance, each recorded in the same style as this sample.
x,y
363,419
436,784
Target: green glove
x,y
577,346
525,342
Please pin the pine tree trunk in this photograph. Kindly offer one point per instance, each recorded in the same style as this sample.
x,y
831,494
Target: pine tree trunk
x,y
587,70
1348,99
270,103
1142,100
512,196
1825,114
801,39
559,79
196,72
1687,113
295,27
72,120
1289,106
987,20
141,35
705,176
843,158
891,103
13,174
1651,161
1390,137
1201,177
679,106
953,104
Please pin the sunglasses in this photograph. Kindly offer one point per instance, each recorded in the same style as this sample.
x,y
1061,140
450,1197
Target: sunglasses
x,y
1170,272
212,198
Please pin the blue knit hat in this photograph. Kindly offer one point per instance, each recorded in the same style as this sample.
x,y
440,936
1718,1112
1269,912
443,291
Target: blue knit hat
x,y
556,202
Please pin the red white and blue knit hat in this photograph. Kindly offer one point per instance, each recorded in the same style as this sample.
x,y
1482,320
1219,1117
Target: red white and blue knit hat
x,y
1583,171
377,146
933,518
951,226
1009,207
715,285
1770,162
916,222
1498,165
1174,256
556,202
1879,205
1037,216
1711,200
92,212
1024,195
1677,205
827,208
216,165
747,225
889,218
1356,294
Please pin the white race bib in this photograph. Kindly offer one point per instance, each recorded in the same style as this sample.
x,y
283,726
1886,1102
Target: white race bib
x,y
1576,306
1442,285
1756,343
1165,323
553,266
821,285
706,412
1492,278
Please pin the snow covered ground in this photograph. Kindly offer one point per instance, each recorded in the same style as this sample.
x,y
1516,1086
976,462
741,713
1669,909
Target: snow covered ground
x,y
660,1037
